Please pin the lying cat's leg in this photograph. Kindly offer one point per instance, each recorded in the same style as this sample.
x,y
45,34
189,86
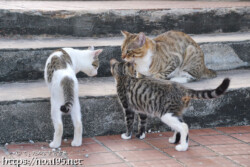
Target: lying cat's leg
x,y
77,122
171,69
180,76
178,126
129,120
181,79
163,75
142,123
58,126
184,77
193,64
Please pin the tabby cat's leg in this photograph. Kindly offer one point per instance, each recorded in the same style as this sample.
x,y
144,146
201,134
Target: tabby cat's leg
x,y
175,138
129,120
142,124
77,122
56,116
178,126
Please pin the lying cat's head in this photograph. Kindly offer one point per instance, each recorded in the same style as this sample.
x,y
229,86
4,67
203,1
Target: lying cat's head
x,y
121,68
90,61
133,46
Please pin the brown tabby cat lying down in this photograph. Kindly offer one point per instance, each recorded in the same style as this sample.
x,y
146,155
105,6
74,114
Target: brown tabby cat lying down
x,y
165,100
172,55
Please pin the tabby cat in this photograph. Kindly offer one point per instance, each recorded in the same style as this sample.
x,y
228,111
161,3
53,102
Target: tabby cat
x,y
60,75
172,56
149,97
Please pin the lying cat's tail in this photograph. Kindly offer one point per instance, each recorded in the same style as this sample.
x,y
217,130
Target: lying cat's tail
x,y
68,92
210,94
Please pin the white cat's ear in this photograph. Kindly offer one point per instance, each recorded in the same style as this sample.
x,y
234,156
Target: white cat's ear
x,y
141,39
125,33
97,53
91,48
113,61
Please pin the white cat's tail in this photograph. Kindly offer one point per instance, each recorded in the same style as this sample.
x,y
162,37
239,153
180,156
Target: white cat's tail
x,y
68,92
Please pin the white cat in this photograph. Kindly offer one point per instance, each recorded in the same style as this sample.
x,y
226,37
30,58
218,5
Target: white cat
x,y
60,76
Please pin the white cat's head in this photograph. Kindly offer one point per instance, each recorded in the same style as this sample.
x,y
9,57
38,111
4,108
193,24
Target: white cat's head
x,y
90,61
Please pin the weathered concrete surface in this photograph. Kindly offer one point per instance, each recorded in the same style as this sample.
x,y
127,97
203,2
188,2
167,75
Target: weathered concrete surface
x,y
222,51
28,64
25,110
221,56
82,19
105,86
112,5
53,41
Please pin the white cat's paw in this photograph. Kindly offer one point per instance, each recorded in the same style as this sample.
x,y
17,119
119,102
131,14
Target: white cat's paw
x,y
172,140
182,147
124,136
54,144
76,143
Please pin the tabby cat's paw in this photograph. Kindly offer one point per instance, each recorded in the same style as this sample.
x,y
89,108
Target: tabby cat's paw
x,y
172,140
76,143
124,136
182,147
54,144
141,136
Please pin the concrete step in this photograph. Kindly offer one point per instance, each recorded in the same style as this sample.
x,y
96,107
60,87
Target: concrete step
x,y
25,108
107,18
24,57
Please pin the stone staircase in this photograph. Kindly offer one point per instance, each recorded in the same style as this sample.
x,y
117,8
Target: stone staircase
x,y
31,30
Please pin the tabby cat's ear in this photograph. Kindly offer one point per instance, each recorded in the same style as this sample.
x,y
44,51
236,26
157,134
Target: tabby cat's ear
x,y
97,53
113,61
91,48
125,33
141,39
132,63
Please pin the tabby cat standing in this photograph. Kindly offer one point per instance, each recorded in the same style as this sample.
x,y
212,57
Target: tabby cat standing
x,y
148,97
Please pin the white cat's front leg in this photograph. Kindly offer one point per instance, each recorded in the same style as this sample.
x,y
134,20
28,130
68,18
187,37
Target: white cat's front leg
x,y
58,126
77,122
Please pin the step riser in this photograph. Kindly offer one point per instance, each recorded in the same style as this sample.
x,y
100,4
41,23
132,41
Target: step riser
x,y
30,120
110,23
28,64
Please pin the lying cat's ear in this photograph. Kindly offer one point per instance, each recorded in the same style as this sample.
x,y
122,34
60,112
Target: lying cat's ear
x,y
141,39
97,53
125,33
91,48
113,61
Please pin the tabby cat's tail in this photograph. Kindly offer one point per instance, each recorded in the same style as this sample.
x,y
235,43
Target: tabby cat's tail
x,y
68,92
210,94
